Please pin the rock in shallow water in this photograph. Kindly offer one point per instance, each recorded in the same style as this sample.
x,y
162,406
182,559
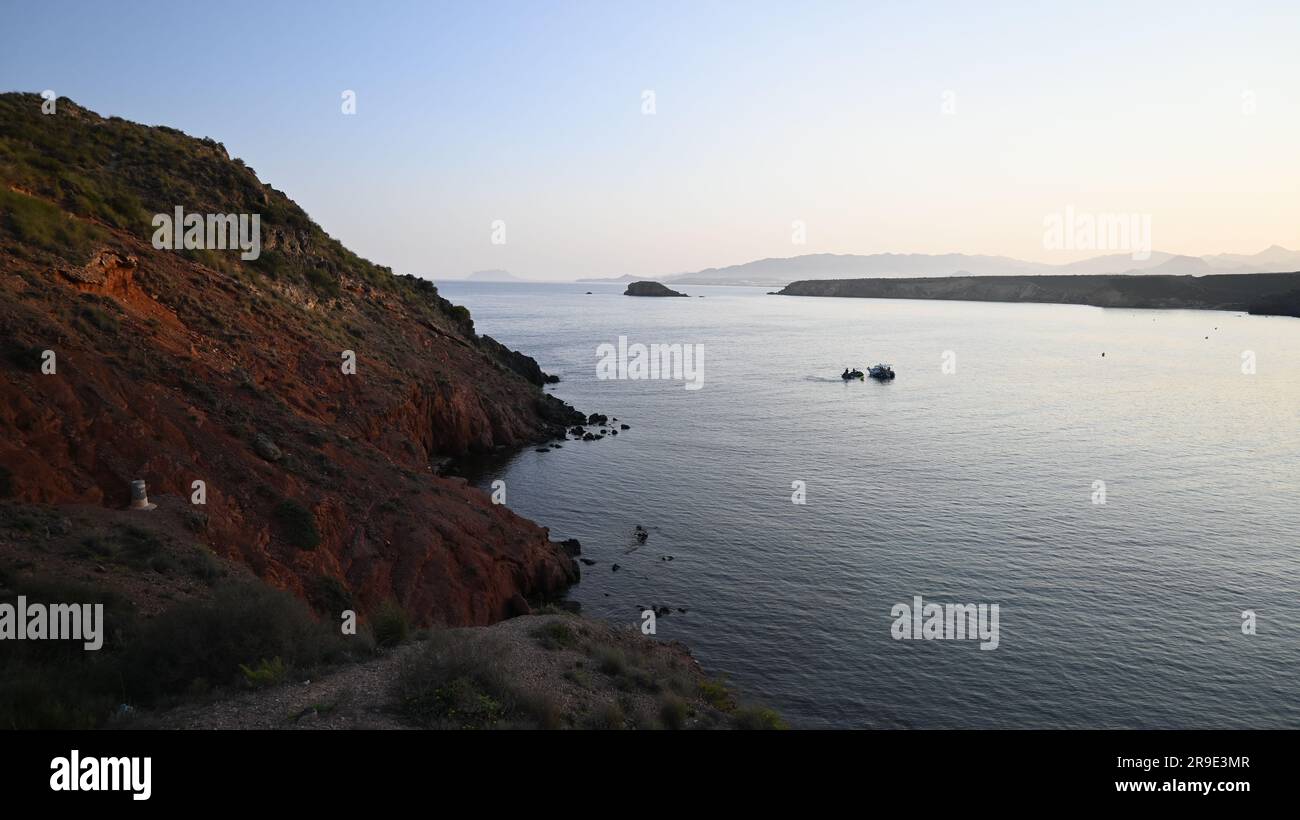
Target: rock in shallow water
x,y
571,547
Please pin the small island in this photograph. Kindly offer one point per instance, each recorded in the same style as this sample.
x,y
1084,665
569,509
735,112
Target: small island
x,y
650,289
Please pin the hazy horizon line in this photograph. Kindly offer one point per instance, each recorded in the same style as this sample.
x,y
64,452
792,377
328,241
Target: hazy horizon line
x,y
464,277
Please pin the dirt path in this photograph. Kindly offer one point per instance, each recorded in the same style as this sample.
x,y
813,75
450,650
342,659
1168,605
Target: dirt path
x,y
551,671
356,696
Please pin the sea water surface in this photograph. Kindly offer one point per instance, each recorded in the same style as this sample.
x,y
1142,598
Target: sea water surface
x,y
972,486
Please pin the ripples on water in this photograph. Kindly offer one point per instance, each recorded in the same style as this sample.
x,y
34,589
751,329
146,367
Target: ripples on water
x,y
971,487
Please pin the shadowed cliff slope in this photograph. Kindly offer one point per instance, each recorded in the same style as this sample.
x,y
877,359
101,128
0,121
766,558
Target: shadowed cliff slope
x,y
184,366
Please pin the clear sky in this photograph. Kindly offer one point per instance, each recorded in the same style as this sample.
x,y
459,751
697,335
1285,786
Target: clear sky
x,y
882,126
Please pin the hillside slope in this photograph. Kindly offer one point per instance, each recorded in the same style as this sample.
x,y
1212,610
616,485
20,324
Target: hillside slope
x,y
184,366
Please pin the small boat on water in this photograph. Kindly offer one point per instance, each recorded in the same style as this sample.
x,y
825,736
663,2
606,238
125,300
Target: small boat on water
x,y
881,372
851,374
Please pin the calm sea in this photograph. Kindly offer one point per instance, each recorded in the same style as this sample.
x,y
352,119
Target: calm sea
x,y
975,486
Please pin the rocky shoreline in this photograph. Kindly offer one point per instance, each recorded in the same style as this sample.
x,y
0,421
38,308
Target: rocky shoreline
x,y
312,393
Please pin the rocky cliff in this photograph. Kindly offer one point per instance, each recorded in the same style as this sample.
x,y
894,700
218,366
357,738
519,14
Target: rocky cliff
x,y
121,361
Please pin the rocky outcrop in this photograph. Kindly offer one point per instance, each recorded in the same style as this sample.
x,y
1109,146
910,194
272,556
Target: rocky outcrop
x,y
650,289
525,366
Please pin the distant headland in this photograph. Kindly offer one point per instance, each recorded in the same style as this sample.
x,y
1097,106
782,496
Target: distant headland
x,y
1262,293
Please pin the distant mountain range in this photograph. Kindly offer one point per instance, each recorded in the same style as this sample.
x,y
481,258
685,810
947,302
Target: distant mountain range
x,y
783,271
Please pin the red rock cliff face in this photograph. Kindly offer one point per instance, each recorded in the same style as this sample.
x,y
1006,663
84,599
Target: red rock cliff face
x,y
177,367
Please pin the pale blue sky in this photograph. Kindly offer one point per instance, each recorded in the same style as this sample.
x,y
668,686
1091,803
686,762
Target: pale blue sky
x,y
766,113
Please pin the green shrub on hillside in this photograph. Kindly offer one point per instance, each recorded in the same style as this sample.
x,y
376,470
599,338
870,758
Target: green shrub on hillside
x,y
717,694
297,524
267,673
611,661
209,641
99,318
555,635
329,596
673,712
31,222
390,624
757,718
323,282
454,683
607,716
